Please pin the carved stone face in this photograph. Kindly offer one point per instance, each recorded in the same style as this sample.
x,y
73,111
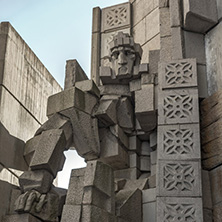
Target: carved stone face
x,y
122,59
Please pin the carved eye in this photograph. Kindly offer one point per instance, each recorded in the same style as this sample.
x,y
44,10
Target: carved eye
x,y
115,54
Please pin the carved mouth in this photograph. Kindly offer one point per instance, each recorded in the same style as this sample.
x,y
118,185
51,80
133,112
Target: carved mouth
x,y
122,70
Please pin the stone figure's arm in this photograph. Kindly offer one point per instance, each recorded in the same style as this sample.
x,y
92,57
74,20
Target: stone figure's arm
x,y
44,155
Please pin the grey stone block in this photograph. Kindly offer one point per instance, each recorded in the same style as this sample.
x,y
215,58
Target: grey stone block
x,y
96,24
92,213
175,13
194,46
49,152
112,152
152,181
122,90
75,190
39,180
130,173
88,86
153,169
217,213
149,195
149,212
178,74
71,213
129,205
202,81
71,98
93,196
145,163
145,107
179,142
135,144
85,133
182,208
153,140
145,148
219,9
133,160
125,113
140,184
74,73
120,135
176,178
119,184
106,112
153,157
178,106
100,176
154,58
116,16
147,79
215,182
20,218
135,85
199,17
207,197
177,40
165,26
166,48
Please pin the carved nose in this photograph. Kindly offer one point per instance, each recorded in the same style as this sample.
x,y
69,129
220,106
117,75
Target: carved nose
x,y
122,59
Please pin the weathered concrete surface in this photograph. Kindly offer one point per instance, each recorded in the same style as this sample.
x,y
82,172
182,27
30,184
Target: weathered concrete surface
x,y
213,42
24,95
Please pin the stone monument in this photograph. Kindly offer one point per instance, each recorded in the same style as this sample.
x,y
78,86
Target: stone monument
x,y
147,123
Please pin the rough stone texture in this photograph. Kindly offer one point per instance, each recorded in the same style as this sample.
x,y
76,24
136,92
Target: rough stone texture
x,y
207,215
135,85
130,173
20,218
177,46
49,152
174,208
149,195
135,144
194,46
71,98
180,106
217,214
74,73
111,150
133,160
129,205
179,142
23,67
154,57
125,113
219,9
199,17
100,176
71,213
202,81
145,148
75,190
165,26
92,213
214,59
179,179
149,212
136,184
144,163
86,142
88,86
115,90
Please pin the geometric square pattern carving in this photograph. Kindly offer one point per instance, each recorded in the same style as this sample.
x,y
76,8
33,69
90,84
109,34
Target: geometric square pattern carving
x,y
179,142
115,16
179,209
178,106
179,178
180,73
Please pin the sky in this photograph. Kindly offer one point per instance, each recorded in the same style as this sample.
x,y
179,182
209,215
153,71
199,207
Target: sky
x,y
56,30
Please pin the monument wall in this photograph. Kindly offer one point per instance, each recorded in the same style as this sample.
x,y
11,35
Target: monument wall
x,y
25,85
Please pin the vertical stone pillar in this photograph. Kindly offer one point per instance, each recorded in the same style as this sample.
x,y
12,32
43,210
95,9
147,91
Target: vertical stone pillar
x,y
179,192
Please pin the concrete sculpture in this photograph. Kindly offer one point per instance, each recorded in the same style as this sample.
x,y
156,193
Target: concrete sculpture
x,y
101,124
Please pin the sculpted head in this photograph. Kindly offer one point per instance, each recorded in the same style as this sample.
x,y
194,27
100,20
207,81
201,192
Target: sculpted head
x,y
124,55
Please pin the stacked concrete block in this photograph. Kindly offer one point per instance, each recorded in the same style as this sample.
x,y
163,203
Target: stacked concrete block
x,y
90,194
178,151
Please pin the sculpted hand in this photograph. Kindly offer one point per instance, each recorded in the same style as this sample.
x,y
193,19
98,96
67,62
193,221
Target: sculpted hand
x,y
30,200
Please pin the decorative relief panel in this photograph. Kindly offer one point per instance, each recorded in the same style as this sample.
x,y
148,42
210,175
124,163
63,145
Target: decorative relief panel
x,y
179,209
181,73
116,16
179,142
179,178
178,106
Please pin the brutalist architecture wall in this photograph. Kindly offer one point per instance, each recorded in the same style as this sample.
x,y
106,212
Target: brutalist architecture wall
x,y
25,85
